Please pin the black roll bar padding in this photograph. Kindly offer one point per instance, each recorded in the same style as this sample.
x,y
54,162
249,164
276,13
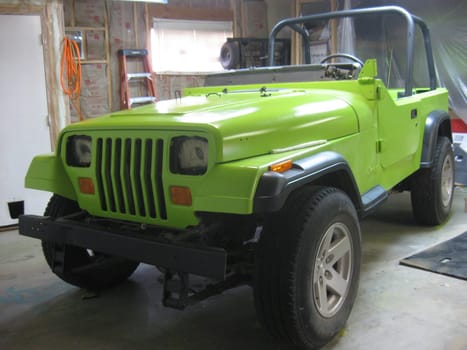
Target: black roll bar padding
x,y
410,19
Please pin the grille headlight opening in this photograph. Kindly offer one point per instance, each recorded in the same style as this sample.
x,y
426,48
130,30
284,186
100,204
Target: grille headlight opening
x,y
78,151
189,155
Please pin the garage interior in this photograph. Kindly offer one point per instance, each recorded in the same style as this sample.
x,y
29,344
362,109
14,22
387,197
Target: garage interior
x,y
397,307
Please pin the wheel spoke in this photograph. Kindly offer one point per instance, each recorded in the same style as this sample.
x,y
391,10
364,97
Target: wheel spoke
x,y
326,245
321,296
339,250
337,283
327,242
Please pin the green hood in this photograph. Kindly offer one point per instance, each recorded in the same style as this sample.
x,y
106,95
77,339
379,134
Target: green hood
x,y
245,123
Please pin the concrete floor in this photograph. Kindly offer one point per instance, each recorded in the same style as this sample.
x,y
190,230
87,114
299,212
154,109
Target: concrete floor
x,y
398,307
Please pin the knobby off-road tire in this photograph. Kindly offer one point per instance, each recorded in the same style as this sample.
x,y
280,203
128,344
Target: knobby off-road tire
x,y
308,267
433,188
80,270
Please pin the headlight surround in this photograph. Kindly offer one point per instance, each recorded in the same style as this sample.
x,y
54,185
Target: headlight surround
x,y
189,155
79,151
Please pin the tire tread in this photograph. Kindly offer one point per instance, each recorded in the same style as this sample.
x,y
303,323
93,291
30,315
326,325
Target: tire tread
x,y
116,271
424,193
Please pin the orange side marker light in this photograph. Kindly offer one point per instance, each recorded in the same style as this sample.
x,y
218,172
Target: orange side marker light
x,y
181,195
281,167
86,185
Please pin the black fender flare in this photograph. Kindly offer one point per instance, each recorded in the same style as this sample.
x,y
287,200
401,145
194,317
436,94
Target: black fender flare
x,y
437,123
274,188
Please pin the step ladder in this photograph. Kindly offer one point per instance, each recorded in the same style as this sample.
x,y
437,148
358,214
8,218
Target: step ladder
x,y
143,90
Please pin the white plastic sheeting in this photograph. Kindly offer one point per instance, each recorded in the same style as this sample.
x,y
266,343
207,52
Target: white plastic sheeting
x,y
447,21
448,26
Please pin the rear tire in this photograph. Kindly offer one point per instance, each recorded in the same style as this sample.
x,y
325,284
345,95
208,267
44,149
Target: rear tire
x,y
432,189
308,267
84,268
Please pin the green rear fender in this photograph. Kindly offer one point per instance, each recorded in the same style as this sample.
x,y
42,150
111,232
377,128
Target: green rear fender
x,y
46,173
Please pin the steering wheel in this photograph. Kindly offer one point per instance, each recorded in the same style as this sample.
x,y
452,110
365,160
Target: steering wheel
x,y
343,55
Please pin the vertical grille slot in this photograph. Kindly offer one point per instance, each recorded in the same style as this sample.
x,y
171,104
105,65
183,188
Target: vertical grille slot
x,y
118,176
100,183
129,176
148,156
159,184
137,179
108,173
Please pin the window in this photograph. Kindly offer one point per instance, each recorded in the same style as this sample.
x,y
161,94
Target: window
x,y
188,46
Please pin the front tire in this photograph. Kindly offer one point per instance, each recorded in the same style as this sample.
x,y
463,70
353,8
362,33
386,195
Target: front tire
x,y
83,268
433,188
308,267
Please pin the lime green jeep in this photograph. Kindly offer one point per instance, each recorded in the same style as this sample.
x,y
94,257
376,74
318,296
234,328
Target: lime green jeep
x,y
259,177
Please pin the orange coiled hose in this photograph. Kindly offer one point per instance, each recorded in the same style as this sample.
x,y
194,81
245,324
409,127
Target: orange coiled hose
x,y
70,73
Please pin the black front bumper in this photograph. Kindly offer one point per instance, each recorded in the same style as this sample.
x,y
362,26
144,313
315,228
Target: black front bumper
x,y
202,261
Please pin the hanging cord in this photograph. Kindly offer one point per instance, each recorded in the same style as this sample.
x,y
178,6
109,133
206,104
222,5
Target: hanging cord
x,y
70,73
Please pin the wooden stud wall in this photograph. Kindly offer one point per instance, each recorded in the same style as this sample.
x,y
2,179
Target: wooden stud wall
x,y
296,38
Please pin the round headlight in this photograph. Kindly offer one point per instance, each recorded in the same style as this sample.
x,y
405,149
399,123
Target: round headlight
x,y
79,151
189,155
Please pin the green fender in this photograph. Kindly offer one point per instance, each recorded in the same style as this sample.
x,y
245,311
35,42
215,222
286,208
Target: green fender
x,y
46,173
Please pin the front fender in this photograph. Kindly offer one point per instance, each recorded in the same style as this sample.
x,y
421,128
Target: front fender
x,y
46,173
274,188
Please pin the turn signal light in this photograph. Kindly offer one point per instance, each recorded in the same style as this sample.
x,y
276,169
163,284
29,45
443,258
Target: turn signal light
x,y
181,195
86,185
281,167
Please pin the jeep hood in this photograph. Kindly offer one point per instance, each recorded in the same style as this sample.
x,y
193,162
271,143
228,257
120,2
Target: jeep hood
x,y
245,123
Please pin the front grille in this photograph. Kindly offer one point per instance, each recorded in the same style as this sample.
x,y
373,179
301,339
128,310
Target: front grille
x,y
129,176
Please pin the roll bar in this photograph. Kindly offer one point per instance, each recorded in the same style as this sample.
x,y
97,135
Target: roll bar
x,y
294,23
